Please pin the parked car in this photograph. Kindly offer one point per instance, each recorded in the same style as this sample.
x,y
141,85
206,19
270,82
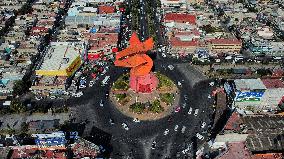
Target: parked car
x,y
166,132
124,125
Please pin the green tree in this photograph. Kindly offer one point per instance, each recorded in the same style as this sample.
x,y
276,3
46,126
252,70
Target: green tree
x,y
17,107
156,107
138,107
20,87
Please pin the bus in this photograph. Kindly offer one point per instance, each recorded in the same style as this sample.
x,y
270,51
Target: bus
x,y
105,81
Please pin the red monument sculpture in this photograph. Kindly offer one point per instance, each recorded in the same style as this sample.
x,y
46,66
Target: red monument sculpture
x,y
142,80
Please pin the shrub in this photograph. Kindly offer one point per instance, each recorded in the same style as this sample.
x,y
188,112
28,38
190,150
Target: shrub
x,y
138,107
168,98
156,107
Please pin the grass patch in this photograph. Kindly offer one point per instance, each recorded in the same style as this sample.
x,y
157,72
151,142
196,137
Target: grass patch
x,y
168,98
120,97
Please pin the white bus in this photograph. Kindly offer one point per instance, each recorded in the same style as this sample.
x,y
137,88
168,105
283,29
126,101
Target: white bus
x,y
105,81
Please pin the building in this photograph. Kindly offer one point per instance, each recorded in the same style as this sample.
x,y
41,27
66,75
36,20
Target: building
x,y
182,46
265,133
224,46
249,90
180,18
259,95
60,62
83,148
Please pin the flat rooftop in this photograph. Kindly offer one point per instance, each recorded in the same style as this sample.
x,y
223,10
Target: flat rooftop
x,y
61,54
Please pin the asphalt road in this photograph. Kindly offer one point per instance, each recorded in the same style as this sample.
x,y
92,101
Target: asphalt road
x,y
136,142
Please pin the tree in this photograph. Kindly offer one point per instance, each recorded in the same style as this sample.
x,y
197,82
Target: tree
x,y
156,107
17,107
20,87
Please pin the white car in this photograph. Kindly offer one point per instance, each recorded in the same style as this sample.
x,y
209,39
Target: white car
x,y
176,128
199,136
196,112
189,111
179,83
171,67
101,103
203,125
164,55
209,96
211,84
125,126
185,97
166,132
52,97
91,83
136,120
82,86
183,105
183,129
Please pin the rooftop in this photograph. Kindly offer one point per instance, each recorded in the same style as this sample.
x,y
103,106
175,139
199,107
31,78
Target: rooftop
x,y
236,150
104,9
249,84
60,55
180,17
273,83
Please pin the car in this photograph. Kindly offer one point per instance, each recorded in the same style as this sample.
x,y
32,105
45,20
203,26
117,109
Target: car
x,y
211,84
177,109
170,119
176,128
91,83
153,146
209,96
199,136
203,125
124,125
82,86
171,67
164,55
185,97
196,112
52,97
189,111
38,97
101,103
183,105
166,132
111,121
179,83
136,120
183,129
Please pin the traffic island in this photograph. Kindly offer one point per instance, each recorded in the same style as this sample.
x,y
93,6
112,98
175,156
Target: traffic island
x,y
145,106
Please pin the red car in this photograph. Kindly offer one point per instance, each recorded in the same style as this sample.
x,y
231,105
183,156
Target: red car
x,y
177,109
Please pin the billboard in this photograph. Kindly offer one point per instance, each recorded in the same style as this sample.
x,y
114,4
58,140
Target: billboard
x,y
50,141
248,96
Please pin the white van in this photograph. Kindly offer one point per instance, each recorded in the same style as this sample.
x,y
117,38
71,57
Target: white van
x,y
105,81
